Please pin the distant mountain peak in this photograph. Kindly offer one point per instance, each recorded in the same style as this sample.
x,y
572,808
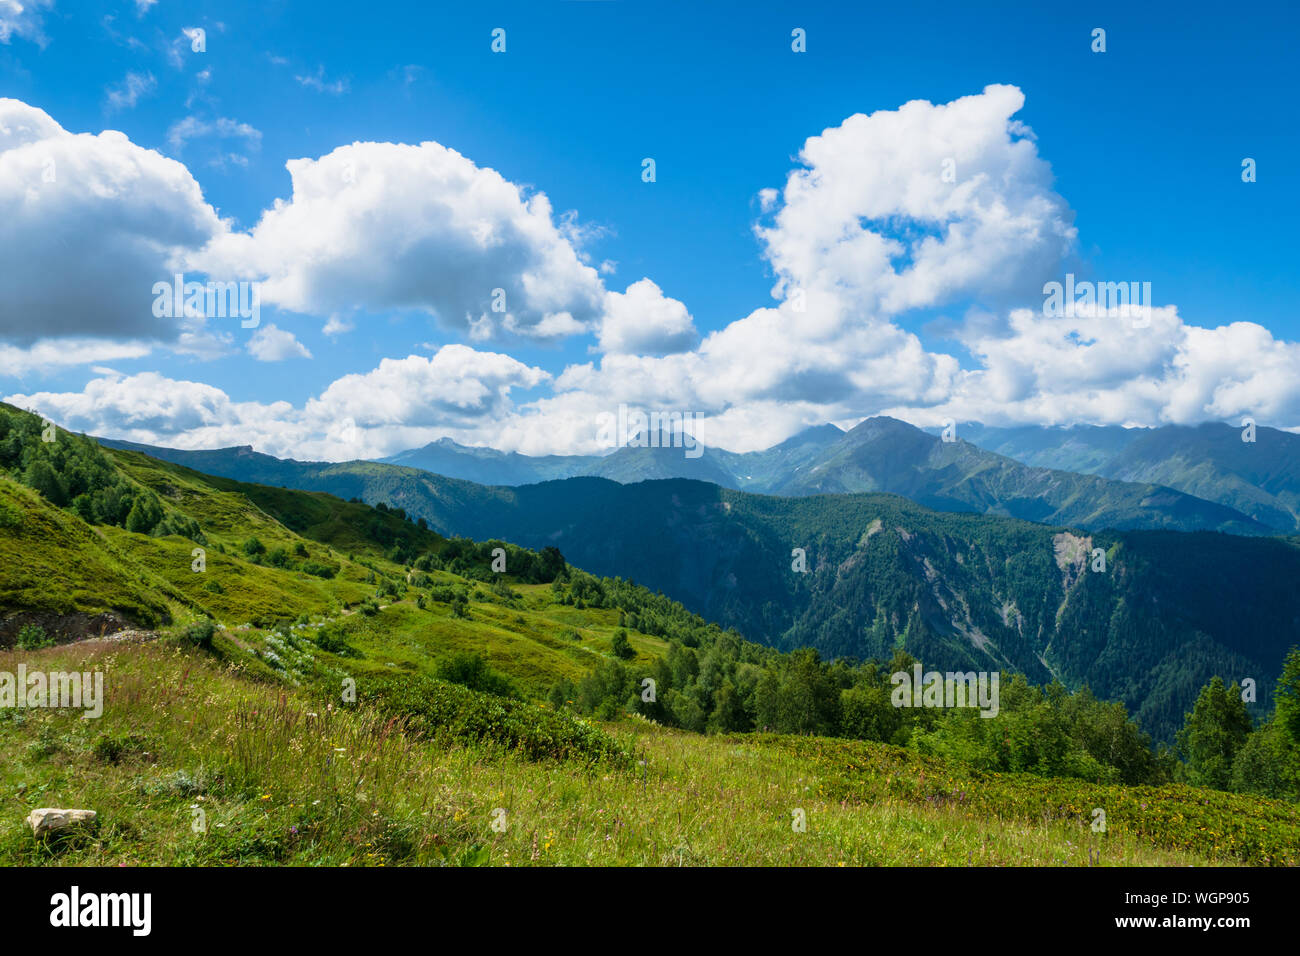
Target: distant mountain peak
x,y
882,423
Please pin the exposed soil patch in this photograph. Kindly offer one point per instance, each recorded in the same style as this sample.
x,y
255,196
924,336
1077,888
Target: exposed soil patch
x,y
64,628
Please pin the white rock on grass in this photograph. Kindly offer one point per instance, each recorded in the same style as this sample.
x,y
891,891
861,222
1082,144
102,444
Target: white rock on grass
x,y
48,820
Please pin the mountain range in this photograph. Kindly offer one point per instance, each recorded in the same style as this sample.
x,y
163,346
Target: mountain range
x,y
1259,478
1145,616
879,455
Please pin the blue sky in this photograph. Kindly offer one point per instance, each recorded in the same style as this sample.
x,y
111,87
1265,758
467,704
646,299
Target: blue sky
x,y
1137,150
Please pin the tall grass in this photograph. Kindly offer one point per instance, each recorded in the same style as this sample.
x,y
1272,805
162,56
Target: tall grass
x,y
275,778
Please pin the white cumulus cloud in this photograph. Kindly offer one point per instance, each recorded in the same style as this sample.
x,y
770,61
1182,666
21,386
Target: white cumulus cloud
x,y
644,321
272,344
924,204
376,226
88,224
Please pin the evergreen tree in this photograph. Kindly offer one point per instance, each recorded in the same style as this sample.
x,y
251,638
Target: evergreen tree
x,y
621,647
145,514
1214,731
1286,699
41,477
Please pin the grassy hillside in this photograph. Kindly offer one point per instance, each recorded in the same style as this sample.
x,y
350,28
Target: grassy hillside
x,y
316,559
193,765
53,565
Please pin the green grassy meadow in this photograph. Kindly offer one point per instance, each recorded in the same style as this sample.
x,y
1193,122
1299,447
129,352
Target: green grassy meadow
x,y
281,779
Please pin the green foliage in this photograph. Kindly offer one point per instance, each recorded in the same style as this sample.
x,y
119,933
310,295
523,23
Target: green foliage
x,y
40,477
1249,830
52,563
470,669
1215,730
1264,765
473,559
620,647
331,638
1287,699
960,591
116,747
606,691
1268,763
73,472
200,633
32,637
728,685
436,708
145,514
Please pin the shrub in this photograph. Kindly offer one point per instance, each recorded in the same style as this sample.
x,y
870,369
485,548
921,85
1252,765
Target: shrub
x,y
200,633
437,708
33,637
144,515
111,748
470,669
621,646
330,639
42,477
